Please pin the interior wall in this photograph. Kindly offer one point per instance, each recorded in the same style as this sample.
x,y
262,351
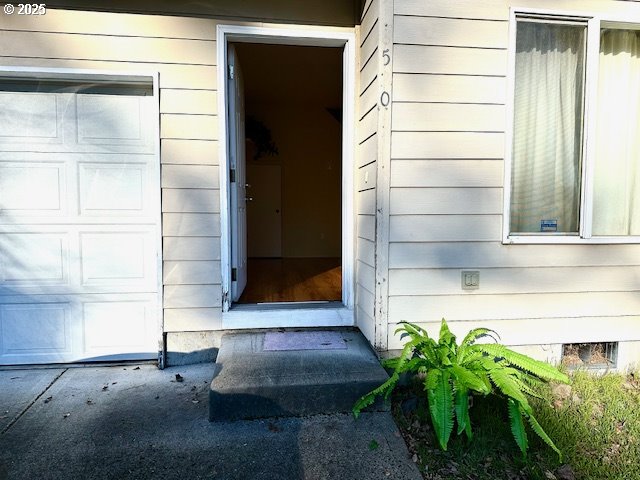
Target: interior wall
x,y
290,89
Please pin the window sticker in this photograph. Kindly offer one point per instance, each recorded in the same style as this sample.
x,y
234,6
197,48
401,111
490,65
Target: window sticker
x,y
548,225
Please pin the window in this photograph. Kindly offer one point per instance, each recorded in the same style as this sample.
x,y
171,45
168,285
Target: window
x,y
574,171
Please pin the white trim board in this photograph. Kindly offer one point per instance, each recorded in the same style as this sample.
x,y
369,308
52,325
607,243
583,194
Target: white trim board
x,y
285,318
290,36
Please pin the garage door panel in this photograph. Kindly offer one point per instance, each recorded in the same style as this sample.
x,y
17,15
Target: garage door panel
x,y
114,189
105,321
40,329
30,258
121,260
46,193
68,122
113,120
30,118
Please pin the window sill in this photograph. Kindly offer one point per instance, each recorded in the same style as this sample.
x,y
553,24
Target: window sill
x,y
567,240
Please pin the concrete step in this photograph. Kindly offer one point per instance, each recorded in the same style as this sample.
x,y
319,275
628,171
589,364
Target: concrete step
x,y
253,382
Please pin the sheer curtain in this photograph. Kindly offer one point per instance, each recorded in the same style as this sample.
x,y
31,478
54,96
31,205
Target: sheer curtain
x,y
617,168
545,179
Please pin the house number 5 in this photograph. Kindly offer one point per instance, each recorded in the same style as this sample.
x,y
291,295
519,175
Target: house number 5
x,y
386,56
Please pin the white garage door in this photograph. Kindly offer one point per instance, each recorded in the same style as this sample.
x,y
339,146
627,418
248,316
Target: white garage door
x,y
79,208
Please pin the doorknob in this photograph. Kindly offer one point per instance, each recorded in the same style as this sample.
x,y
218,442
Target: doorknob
x,y
248,199
247,185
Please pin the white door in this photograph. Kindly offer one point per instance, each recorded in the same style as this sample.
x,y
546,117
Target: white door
x,y
235,89
264,211
78,222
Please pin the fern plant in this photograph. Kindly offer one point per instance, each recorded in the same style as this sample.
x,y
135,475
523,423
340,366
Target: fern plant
x,y
452,372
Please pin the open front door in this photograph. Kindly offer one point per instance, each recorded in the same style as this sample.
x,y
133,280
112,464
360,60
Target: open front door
x,y
235,89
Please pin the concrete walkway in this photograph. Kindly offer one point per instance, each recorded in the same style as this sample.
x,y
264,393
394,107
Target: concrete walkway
x,y
137,422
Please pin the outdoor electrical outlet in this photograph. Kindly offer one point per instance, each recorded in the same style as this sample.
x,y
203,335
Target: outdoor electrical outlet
x,y
470,279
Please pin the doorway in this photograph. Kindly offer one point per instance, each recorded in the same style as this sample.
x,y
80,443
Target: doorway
x,y
287,107
292,101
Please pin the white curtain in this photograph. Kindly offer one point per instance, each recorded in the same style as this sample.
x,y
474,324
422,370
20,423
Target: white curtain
x,y
617,168
545,179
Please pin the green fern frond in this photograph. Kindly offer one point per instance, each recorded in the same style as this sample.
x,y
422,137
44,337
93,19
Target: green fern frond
x,y
391,363
526,388
490,363
462,409
412,329
420,340
470,339
532,381
469,357
508,386
517,426
368,399
477,333
414,365
427,350
387,387
432,378
407,353
446,337
535,426
441,406
445,355
469,379
535,367
408,329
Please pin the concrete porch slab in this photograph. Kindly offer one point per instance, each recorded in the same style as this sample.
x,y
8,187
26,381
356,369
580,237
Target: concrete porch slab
x,y
251,382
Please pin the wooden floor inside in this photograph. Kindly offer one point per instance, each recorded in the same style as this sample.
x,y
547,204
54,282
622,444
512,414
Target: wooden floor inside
x,y
293,280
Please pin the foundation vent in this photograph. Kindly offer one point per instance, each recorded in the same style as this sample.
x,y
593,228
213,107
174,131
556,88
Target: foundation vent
x,y
590,355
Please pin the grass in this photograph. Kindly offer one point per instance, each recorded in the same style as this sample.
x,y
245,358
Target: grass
x,y
595,423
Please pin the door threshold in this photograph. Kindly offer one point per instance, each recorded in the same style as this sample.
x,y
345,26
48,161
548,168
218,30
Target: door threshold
x,y
264,306
298,314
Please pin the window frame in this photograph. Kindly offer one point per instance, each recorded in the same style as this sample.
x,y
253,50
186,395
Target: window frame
x,y
593,22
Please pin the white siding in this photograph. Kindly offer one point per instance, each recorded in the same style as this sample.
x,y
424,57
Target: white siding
x,y
188,125
448,147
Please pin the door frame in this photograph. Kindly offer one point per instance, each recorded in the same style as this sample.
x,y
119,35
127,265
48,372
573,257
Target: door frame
x,y
294,35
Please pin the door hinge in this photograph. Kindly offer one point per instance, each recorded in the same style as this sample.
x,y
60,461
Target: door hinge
x,y
234,274
230,72
232,175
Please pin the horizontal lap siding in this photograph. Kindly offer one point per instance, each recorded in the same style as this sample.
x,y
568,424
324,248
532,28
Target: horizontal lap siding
x,y
183,51
447,175
191,208
366,166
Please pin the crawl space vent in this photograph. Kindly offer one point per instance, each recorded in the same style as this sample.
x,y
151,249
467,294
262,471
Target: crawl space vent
x,y
590,355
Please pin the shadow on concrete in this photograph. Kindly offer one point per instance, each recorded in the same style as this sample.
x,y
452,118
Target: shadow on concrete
x,y
123,423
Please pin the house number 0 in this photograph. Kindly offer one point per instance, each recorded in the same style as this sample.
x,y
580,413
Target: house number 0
x,y
384,99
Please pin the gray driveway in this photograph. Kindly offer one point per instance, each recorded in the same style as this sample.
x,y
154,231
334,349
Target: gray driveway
x,y
137,422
